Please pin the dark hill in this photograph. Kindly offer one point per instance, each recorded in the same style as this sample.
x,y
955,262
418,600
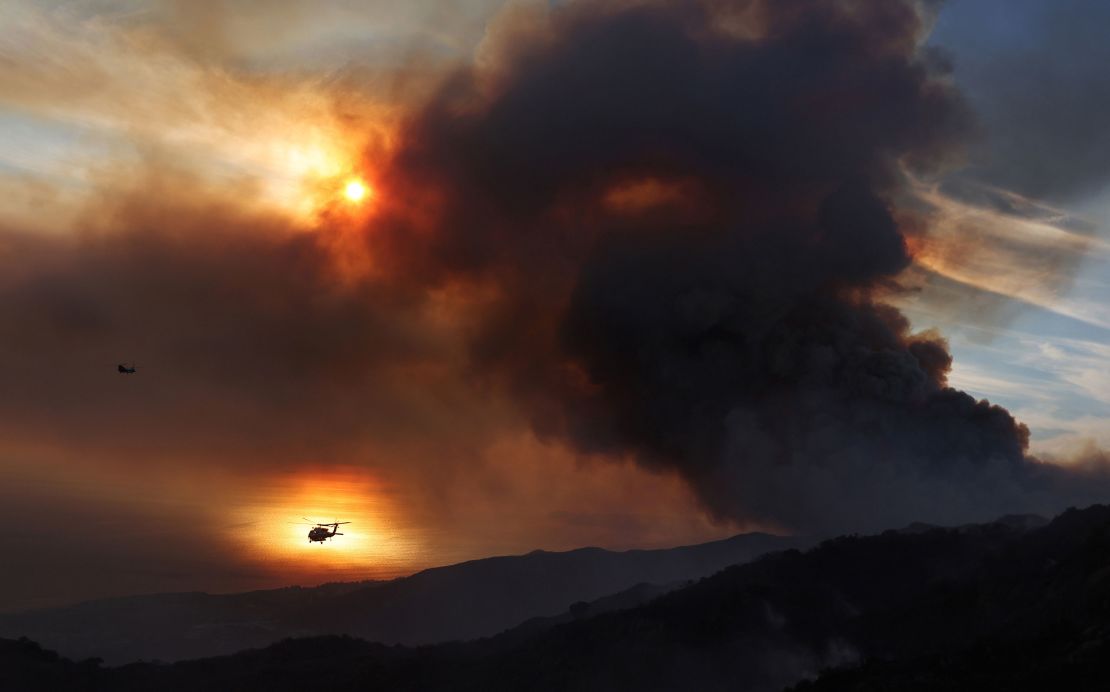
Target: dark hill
x,y
993,606
463,601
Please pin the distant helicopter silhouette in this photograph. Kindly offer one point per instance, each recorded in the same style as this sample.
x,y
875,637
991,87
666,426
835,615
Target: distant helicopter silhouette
x,y
320,532
125,369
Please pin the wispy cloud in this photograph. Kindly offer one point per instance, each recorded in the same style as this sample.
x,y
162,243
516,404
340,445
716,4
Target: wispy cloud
x,y
1004,244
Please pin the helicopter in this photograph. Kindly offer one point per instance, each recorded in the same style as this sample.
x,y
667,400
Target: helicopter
x,y
125,369
320,532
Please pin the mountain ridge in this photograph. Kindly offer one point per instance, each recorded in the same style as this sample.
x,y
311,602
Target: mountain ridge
x,y
968,607
474,598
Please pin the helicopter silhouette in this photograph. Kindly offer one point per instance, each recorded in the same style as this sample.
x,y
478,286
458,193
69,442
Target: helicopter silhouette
x,y
125,369
320,533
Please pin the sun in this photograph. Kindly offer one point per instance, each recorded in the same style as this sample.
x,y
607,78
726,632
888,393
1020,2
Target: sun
x,y
355,190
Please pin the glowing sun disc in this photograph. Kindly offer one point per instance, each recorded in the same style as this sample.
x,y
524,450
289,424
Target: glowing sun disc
x,y
355,190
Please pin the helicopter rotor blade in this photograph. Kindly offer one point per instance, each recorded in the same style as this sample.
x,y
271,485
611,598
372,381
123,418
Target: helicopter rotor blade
x,y
325,523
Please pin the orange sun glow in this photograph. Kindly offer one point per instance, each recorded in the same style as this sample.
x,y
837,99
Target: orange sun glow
x,y
355,190
374,544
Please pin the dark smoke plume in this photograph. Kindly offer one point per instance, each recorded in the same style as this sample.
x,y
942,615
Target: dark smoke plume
x,y
688,210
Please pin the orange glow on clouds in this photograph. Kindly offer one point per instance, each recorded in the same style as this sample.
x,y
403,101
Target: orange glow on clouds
x,y
637,196
311,180
682,200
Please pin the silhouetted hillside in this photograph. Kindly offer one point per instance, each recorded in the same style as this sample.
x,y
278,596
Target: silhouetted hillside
x,y
1062,658
463,601
27,667
994,606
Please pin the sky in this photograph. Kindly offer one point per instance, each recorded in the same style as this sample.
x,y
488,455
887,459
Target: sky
x,y
630,274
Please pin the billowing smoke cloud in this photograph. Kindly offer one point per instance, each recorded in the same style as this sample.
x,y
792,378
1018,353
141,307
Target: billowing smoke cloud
x,y
692,227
